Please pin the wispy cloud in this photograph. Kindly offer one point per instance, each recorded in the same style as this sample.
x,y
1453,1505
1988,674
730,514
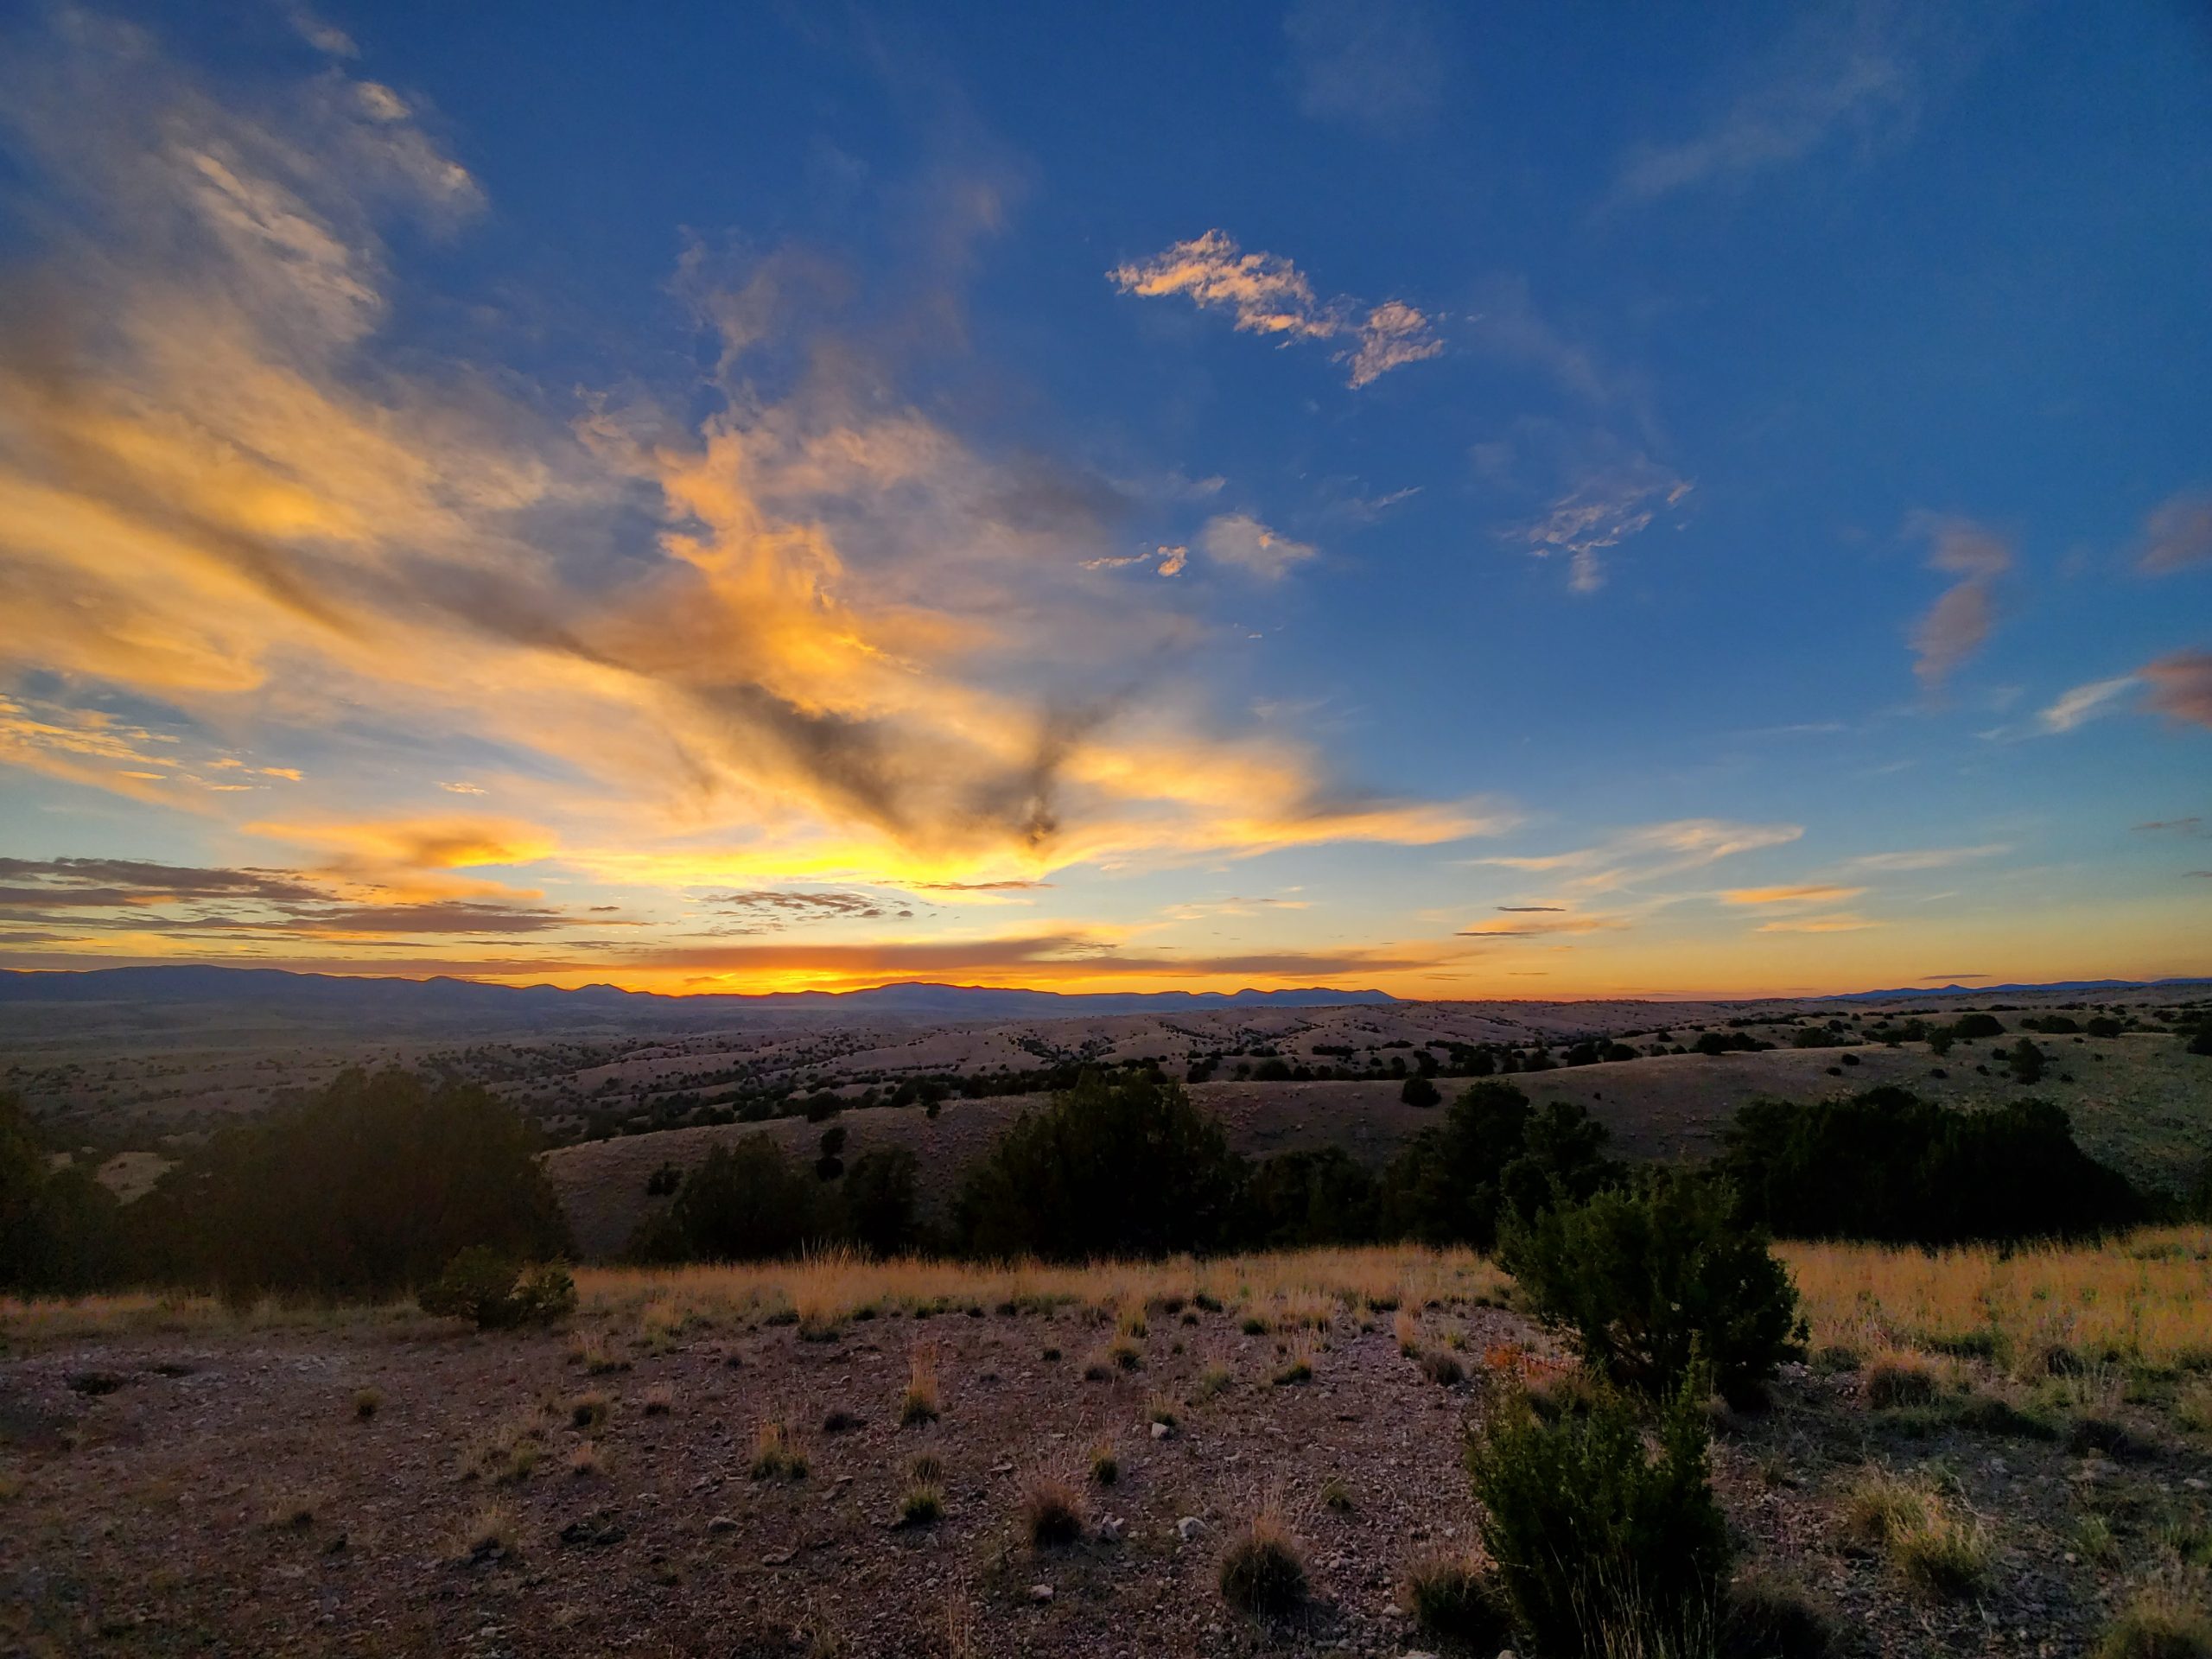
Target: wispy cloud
x,y
1380,64
1602,512
2181,686
2086,702
1393,335
1960,621
1849,74
1791,897
1268,294
1925,858
1239,539
226,491
1537,926
1840,922
772,910
2177,535
1650,852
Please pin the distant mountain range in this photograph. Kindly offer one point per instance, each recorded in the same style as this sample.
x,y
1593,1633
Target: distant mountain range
x,y
151,999
285,995
2008,990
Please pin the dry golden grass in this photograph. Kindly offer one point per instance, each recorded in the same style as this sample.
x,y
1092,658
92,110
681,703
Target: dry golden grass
x,y
823,1291
489,1531
1263,1569
924,1402
778,1454
1928,1539
2134,1301
2139,1300
1051,1509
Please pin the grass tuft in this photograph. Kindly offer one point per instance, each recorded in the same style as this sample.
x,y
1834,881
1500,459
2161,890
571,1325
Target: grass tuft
x,y
2161,1623
923,1403
776,1453
1051,1511
1455,1600
921,1504
1263,1571
1898,1377
1930,1543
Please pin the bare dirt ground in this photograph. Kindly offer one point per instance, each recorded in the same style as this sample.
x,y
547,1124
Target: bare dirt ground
x,y
217,1491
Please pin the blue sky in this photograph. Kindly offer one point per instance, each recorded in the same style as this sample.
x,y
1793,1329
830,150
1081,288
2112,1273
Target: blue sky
x,y
713,498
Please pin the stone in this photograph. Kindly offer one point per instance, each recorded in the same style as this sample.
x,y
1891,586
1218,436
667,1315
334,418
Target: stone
x,y
722,1523
599,1530
1189,1529
1113,1528
1162,1431
1040,1593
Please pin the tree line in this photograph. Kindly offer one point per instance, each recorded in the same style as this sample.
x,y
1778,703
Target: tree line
x,y
371,1187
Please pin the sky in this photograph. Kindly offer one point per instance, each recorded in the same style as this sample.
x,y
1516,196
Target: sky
x,y
1539,501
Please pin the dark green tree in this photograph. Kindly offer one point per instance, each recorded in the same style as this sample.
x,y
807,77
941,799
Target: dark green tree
x,y
60,1232
1494,1155
1604,1545
1656,1277
366,1190
1116,1165
1314,1196
879,1200
743,1202
1887,1165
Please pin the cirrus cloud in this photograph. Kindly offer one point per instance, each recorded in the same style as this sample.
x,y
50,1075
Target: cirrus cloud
x,y
1268,294
1961,619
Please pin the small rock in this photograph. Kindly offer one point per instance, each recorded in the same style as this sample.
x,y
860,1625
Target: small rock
x,y
777,1558
1391,1610
722,1523
1190,1527
1113,1528
1162,1431
1041,1593
599,1528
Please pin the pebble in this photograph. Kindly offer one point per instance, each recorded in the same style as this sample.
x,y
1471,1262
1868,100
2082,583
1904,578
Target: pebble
x,y
1190,1527
722,1523
1162,1431
1113,1528
1041,1593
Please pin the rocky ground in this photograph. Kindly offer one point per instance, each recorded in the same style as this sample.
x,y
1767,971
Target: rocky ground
x,y
594,1491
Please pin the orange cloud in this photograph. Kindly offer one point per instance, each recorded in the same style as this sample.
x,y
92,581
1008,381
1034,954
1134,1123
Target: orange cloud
x,y
866,644
1841,922
1791,896
1268,294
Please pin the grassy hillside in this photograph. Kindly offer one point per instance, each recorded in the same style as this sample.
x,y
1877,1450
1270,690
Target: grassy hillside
x,y
2146,1108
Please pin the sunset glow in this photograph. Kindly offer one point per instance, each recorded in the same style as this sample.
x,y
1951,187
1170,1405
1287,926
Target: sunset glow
x,y
867,508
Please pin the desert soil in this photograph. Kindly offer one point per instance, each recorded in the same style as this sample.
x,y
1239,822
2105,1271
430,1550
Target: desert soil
x,y
217,1492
